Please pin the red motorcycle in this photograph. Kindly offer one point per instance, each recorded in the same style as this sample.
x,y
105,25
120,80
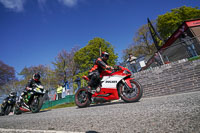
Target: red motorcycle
x,y
114,84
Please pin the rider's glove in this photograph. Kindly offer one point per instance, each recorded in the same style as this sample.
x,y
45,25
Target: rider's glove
x,y
109,68
28,88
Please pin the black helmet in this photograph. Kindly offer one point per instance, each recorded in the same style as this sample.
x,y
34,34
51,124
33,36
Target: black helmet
x,y
36,76
13,94
105,54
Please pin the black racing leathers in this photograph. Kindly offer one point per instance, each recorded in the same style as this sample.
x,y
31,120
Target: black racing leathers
x,y
31,84
94,73
4,104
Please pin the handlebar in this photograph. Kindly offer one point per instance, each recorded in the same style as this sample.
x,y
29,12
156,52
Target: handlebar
x,y
116,68
39,86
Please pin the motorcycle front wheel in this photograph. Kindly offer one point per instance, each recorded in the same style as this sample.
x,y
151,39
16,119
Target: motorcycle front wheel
x,y
36,104
132,95
8,109
82,98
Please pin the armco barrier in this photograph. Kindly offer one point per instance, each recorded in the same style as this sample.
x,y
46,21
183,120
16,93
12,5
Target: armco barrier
x,y
67,99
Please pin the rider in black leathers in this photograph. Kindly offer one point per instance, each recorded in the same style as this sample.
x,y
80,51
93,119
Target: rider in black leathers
x,y
94,74
31,84
12,95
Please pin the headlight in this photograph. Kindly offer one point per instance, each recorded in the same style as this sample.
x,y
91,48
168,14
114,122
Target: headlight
x,y
37,90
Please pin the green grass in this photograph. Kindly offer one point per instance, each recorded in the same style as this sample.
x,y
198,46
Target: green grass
x,y
61,106
194,58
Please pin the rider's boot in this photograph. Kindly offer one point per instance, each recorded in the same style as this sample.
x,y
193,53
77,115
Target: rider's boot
x,y
91,89
20,101
90,92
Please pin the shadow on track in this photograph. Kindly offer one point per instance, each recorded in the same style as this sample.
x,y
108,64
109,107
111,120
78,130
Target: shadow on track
x,y
106,104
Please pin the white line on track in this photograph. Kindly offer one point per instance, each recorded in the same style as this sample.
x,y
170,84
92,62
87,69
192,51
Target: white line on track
x,y
3,130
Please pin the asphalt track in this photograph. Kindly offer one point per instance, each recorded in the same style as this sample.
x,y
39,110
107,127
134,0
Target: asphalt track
x,y
179,113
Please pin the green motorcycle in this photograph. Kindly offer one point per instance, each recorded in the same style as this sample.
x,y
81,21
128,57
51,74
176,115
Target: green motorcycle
x,y
32,101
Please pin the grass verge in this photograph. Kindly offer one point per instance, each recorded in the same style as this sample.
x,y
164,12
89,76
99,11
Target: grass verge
x,y
60,106
194,58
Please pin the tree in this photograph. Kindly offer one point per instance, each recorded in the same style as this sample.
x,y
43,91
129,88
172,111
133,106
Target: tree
x,y
12,86
170,21
47,77
65,66
86,56
7,74
143,44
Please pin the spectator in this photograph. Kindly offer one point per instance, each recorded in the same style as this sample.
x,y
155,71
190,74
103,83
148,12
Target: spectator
x,y
67,88
131,63
157,59
63,91
59,91
78,82
187,40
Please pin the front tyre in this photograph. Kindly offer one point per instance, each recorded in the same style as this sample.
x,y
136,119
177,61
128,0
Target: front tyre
x,y
82,98
36,104
8,109
131,96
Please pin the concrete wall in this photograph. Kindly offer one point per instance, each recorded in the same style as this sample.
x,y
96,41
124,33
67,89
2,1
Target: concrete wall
x,y
176,77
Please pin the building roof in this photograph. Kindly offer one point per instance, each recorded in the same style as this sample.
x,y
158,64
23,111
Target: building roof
x,y
183,27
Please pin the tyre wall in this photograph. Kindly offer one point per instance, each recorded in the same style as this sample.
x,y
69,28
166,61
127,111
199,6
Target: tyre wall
x,y
177,77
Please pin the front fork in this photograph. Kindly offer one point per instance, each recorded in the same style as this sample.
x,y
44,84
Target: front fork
x,y
128,85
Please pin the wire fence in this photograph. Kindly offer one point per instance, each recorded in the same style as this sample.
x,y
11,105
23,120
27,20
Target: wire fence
x,y
180,49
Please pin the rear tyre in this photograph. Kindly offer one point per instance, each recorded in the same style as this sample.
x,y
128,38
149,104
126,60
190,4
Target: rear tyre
x,y
131,96
82,98
17,110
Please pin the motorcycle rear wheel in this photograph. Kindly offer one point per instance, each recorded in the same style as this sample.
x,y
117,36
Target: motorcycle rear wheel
x,y
82,98
133,96
16,109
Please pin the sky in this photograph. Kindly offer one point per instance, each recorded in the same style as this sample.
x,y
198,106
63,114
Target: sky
x,y
33,32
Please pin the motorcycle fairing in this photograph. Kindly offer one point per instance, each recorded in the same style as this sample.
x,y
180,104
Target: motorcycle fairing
x,y
111,81
128,82
109,87
107,94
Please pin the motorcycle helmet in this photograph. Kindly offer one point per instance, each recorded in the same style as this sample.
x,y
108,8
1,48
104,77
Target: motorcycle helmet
x,y
105,55
12,94
36,76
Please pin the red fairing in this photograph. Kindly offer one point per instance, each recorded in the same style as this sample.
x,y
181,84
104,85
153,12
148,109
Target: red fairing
x,y
105,73
24,110
120,72
113,91
128,82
